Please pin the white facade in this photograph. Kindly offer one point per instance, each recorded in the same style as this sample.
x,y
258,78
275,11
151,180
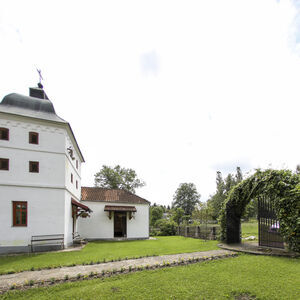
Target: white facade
x,y
99,226
47,193
50,192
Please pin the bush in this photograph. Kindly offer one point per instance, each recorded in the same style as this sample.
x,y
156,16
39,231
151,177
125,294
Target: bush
x,y
166,227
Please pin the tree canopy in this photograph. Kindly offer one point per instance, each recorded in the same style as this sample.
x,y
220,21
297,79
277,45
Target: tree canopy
x,y
186,197
118,178
216,201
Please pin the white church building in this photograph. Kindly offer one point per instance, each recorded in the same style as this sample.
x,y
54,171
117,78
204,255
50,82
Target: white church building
x,y
40,178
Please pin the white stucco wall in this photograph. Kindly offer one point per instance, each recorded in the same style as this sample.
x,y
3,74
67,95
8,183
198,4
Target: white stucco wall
x,y
43,205
49,192
99,226
68,230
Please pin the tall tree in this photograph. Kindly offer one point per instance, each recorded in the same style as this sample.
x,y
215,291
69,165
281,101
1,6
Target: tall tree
x,y
156,213
298,169
215,202
118,178
177,215
239,175
186,197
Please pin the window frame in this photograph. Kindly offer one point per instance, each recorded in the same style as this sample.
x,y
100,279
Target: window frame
x,y
6,130
31,163
4,159
15,203
35,134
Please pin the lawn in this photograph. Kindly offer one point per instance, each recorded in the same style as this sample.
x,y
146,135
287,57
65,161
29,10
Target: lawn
x,y
98,251
250,229
260,276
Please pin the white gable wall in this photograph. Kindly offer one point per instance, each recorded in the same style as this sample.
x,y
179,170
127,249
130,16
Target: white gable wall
x,y
99,226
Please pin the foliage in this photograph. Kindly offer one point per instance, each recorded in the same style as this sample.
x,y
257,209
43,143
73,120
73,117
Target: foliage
x,y
202,213
186,197
177,215
156,213
283,188
216,201
104,250
118,178
166,227
260,276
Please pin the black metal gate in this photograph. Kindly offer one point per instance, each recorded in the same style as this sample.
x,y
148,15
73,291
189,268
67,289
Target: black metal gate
x,y
268,225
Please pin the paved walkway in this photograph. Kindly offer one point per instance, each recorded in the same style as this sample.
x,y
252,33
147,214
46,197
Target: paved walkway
x,y
59,273
254,248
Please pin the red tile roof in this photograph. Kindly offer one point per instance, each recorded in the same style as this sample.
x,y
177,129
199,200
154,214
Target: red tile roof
x,y
110,195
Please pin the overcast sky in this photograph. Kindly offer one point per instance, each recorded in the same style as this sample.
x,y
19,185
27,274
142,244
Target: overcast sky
x,y
176,90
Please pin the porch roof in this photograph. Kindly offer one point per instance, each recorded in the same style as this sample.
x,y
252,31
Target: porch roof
x,y
82,206
119,208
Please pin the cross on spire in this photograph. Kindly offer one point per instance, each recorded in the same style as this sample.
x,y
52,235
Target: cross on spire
x,y
40,79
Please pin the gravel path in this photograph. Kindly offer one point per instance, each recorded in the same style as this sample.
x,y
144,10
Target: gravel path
x,y
59,273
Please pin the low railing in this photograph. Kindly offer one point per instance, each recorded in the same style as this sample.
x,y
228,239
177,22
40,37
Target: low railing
x,y
199,231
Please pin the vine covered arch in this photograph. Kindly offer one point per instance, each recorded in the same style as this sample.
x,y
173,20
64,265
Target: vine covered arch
x,y
282,187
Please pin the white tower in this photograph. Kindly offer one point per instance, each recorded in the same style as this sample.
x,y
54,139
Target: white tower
x,y
40,166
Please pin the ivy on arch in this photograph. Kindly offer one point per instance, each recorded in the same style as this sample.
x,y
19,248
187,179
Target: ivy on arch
x,y
282,187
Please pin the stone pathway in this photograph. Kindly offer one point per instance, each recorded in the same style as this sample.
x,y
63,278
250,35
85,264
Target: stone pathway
x,y
59,273
254,248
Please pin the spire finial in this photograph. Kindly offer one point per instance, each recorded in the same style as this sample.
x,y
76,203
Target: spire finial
x,y
40,79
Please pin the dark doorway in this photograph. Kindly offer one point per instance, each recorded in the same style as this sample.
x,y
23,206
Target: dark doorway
x,y
120,224
268,225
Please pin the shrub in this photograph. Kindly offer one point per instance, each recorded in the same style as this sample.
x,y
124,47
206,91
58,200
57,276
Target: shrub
x,y
166,227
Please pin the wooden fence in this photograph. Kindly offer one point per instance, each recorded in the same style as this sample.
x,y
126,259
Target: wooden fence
x,y
199,232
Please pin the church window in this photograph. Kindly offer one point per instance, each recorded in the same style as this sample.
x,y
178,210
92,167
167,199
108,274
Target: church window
x,y
4,164
33,138
76,184
34,167
4,134
19,213
77,164
71,178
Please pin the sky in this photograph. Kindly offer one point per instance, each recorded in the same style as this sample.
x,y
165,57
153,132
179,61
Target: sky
x,y
176,90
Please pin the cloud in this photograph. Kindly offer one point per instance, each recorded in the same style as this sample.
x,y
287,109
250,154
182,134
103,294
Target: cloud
x,y
150,63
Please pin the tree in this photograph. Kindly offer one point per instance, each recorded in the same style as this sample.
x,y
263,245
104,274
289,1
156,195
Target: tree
x,y
239,175
118,178
186,197
201,213
156,213
177,215
223,188
215,202
298,169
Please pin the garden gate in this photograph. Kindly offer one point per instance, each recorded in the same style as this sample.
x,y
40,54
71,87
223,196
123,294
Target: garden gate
x,y
268,224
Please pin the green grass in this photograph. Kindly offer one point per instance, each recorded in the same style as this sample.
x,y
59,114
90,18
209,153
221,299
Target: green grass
x,y
98,251
250,229
260,276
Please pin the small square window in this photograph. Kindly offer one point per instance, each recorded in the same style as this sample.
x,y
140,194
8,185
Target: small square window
x,y
4,164
33,138
71,177
34,167
19,213
4,134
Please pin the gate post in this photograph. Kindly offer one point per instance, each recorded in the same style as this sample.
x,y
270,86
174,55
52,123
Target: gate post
x,y
233,227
